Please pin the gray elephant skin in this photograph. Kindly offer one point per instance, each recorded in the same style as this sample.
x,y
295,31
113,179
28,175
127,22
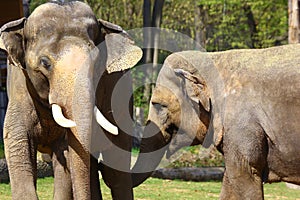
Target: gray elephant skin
x,y
63,66
244,102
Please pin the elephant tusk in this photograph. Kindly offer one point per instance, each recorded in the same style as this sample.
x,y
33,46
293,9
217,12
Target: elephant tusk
x,y
104,123
60,118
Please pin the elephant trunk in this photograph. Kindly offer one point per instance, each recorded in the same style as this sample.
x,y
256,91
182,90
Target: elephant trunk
x,y
81,112
153,148
72,97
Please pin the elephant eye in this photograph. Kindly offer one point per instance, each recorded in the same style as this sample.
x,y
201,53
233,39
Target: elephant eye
x,y
45,62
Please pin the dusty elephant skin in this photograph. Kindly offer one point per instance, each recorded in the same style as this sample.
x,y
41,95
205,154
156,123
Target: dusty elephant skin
x,y
245,102
63,64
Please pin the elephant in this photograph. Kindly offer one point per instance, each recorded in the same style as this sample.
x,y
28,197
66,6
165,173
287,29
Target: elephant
x,y
244,102
63,64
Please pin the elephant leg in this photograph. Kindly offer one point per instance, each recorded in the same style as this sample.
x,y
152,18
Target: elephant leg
x,y
245,153
20,153
116,168
227,192
62,177
94,177
119,182
239,183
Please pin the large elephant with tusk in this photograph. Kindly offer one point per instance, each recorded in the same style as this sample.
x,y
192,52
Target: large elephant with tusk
x,y
63,64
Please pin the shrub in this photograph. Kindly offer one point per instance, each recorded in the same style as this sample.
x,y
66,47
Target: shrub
x,y
197,156
1,150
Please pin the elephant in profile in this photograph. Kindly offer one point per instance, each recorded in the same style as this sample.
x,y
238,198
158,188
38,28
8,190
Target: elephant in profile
x,y
244,102
63,65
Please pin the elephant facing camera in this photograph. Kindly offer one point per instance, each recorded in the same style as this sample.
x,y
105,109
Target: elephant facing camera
x,y
62,65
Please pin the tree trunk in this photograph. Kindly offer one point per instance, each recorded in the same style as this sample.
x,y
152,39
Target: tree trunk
x,y
293,21
156,22
147,32
200,27
151,40
139,123
251,24
147,51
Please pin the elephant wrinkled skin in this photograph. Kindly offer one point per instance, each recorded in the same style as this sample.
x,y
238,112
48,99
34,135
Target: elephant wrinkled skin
x,y
245,102
63,64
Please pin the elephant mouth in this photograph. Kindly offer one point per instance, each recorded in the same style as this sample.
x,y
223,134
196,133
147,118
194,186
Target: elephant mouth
x,y
61,120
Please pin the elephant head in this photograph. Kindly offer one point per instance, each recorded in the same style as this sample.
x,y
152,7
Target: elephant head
x,y
58,49
180,111
58,56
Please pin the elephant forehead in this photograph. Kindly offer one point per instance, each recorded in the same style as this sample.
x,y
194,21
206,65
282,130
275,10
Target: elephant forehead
x,y
73,57
70,19
69,9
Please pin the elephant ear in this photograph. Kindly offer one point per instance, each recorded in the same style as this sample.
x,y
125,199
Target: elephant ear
x,y
195,88
11,41
121,53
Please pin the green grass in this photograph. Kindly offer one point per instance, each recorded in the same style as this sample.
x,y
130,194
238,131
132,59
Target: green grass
x,y
154,189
